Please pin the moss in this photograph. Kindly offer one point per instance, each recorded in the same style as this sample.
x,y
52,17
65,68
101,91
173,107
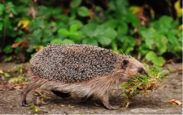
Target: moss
x,y
143,83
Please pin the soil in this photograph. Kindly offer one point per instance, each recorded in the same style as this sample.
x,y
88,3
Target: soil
x,y
155,103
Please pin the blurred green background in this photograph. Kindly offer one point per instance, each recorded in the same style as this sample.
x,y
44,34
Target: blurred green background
x,y
149,30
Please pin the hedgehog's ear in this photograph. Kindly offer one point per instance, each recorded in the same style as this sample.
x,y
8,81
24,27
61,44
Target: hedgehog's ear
x,y
124,64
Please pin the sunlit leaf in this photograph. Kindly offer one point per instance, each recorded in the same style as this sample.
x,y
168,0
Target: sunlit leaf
x,y
56,41
75,3
90,41
83,11
135,9
178,8
159,61
150,56
8,58
74,28
6,75
89,29
64,32
172,39
23,23
67,41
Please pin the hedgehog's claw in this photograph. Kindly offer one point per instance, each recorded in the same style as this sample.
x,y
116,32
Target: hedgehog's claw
x,y
24,104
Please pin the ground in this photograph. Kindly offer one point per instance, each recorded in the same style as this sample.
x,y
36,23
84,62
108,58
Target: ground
x,y
155,103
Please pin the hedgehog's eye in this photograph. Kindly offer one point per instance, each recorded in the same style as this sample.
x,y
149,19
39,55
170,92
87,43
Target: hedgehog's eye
x,y
140,71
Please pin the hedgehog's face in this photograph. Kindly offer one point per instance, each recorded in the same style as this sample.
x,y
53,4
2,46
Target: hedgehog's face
x,y
131,67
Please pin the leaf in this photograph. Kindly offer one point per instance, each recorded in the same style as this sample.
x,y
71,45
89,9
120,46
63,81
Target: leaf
x,y
2,8
135,9
160,41
76,22
90,41
103,35
103,40
166,20
8,58
150,56
37,23
181,37
6,75
67,41
63,32
23,23
159,61
8,49
41,12
178,8
1,72
122,29
56,41
147,33
75,3
38,33
89,29
75,35
74,28
173,32
173,101
1,25
111,23
105,32
173,40
83,11
32,12
52,26
47,36
11,6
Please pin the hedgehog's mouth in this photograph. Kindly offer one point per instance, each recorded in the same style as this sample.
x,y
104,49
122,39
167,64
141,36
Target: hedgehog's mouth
x,y
139,89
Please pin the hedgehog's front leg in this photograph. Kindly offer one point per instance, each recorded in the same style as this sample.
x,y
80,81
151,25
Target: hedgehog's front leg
x,y
105,101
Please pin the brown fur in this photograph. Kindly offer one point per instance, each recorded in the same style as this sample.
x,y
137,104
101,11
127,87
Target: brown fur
x,y
99,86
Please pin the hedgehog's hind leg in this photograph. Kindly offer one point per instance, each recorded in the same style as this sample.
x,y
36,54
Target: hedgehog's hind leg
x,y
61,94
34,83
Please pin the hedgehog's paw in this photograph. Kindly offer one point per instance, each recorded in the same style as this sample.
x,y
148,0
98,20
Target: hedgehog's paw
x,y
24,104
114,107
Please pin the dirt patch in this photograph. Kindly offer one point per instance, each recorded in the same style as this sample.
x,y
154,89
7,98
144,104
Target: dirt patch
x,y
155,103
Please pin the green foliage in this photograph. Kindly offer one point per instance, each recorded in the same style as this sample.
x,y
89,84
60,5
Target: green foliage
x,y
116,28
8,58
83,11
8,49
158,61
6,75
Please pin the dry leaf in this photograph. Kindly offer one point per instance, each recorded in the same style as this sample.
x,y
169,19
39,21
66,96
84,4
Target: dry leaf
x,y
32,12
180,69
20,86
175,102
15,45
1,72
11,15
22,43
178,7
165,86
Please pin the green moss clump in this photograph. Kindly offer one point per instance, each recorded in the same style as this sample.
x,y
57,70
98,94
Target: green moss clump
x,y
143,83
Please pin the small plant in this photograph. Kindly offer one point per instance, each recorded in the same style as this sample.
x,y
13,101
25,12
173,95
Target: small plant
x,y
143,83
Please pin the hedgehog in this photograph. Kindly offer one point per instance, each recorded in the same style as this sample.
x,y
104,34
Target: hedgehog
x,y
84,70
